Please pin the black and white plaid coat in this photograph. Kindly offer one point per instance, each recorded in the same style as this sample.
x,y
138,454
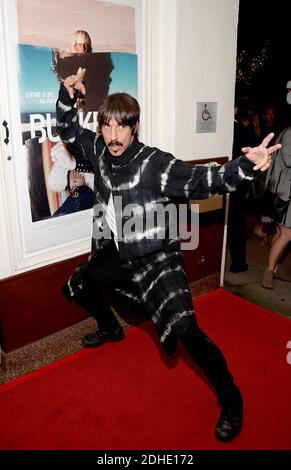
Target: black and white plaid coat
x,y
146,178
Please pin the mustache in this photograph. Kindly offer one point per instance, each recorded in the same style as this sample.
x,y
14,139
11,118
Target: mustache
x,y
115,142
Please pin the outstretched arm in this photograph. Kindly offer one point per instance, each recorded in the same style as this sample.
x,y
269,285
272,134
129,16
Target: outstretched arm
x,y
81,143
179,179
261,155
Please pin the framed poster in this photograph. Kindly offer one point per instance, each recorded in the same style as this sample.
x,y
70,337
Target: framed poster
x,y
45,43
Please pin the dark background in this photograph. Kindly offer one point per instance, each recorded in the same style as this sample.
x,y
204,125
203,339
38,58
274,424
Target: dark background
x,y
265,25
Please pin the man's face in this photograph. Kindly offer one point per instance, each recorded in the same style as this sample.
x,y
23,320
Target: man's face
x,y
117,137
269,116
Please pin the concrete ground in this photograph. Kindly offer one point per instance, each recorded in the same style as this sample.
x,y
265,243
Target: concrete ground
x,y
248,284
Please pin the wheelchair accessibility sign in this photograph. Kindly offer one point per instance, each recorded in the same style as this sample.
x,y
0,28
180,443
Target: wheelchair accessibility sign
x,y
206,117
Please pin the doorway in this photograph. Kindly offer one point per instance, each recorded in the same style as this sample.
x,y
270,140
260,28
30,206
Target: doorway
x,y
263,70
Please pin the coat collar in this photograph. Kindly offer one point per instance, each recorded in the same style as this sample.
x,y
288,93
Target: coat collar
x,y
130,152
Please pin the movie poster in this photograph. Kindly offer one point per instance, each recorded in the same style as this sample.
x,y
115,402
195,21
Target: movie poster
x,y
54,40
53,192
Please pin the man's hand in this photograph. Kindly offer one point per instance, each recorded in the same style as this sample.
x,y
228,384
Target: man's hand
x,y
75,82
261,155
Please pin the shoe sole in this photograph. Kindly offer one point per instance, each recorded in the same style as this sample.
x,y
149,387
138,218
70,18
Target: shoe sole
x,y
267,287
227,438
84,345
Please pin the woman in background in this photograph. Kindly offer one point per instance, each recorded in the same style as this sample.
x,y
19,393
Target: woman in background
x,y
279,182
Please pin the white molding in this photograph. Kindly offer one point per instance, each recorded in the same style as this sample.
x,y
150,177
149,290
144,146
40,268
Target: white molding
x,y
8,213
158,77
166,89
150,71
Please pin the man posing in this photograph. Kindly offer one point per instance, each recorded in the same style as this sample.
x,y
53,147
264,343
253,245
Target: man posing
x,y
146,264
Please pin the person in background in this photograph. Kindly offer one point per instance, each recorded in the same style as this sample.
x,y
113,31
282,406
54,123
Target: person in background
x,y
147,261
246,134
268,121
266,227
278,180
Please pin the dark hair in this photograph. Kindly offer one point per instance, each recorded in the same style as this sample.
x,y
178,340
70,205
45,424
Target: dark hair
x,y
122,107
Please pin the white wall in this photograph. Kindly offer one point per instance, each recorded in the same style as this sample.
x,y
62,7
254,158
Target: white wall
x,y
188,55
206,39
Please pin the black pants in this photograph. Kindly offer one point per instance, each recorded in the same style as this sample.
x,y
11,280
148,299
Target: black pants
x,y
237,229
100,281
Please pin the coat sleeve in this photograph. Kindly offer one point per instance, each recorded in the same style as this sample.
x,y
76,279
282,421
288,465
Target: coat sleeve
x,y
82,143
286,147
180,179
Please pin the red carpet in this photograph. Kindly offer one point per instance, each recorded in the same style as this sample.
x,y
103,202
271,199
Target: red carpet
x,y
126,396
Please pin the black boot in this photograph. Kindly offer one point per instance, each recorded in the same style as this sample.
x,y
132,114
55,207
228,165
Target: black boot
x,y
93,340
212,362
109,329
230,421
